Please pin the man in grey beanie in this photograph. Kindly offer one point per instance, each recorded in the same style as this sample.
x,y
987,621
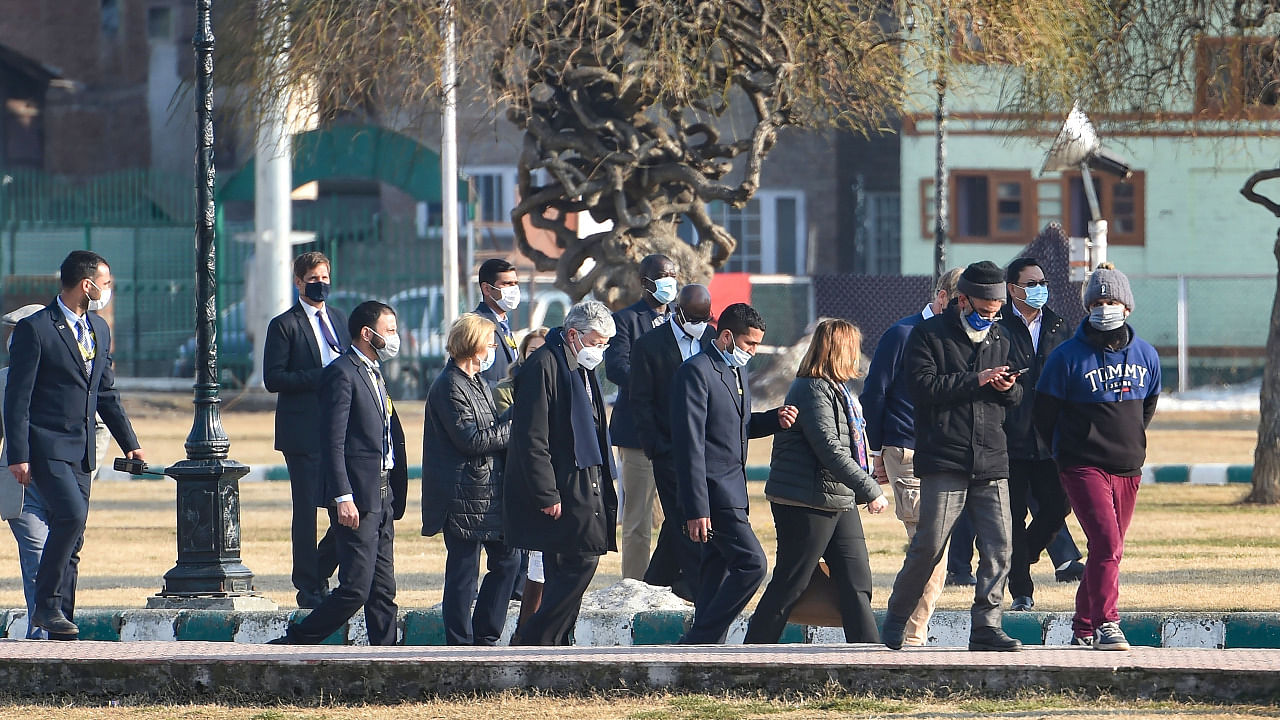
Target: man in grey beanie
x,y
961,456
1094,400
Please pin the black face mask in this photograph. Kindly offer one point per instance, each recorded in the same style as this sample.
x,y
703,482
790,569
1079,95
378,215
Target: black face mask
x,y
316,291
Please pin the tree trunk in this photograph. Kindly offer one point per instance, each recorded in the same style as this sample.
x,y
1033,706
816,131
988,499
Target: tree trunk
x,y
1266,457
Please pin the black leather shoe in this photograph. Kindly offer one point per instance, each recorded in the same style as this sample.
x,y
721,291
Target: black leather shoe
x,y
54,622
893,631
1072,573
960,579
1023,602
989,639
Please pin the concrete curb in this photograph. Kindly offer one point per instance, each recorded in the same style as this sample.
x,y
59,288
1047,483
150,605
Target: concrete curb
x,y
1194,474
420,627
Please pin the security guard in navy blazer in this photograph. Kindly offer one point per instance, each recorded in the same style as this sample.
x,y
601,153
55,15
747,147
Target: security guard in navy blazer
x,y
711,420
300,343
364,478
60,375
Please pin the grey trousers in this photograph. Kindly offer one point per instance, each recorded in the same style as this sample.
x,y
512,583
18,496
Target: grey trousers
x,y
943,497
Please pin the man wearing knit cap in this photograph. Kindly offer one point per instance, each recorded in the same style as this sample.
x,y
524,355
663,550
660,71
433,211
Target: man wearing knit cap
x,y
959,381
1095,398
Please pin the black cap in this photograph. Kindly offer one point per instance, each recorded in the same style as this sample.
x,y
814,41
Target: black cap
x,y
983,280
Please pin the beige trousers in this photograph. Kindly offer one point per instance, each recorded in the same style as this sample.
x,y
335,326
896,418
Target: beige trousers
x,y
899,465
638,492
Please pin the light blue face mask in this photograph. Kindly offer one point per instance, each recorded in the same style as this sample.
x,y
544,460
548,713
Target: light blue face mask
x,y
489,357
1037,296
737,357
664,290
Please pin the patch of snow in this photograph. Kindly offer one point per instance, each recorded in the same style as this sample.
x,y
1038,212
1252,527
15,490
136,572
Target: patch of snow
x,y
632,596
1209,398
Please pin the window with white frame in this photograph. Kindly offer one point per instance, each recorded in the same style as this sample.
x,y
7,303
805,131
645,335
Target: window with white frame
x,y
770,231
495,189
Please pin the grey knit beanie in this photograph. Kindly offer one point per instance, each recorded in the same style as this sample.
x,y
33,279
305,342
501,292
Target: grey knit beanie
x,y
983,280
1107,283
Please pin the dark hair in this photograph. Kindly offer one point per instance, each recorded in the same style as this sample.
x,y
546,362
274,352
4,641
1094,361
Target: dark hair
x,y
366,314
738,318
490,268
651,265
307,260
1016,267
80,264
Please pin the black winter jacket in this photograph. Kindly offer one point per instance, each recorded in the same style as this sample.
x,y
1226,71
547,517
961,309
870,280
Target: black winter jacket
x,y
959,424
812,462
1024,442
464,445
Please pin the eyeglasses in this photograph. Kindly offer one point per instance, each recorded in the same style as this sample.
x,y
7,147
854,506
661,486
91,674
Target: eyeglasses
x,y
1034,283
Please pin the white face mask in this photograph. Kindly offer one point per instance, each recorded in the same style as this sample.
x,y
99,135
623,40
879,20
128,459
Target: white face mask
x,y
589,356
692,329
1107,317
509,298
664,290
390,346
104,297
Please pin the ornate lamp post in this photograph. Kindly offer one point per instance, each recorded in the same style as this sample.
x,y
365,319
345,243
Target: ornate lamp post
x,y
208,572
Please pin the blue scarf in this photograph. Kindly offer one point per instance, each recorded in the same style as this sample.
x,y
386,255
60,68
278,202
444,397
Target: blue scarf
x,y
586,439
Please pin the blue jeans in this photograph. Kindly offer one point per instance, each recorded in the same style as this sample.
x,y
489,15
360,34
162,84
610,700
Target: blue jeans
x,y
30,530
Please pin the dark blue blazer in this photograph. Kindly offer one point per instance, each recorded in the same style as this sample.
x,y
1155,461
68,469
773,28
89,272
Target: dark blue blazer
x,y
351,438
710,425
50,401
632,321
506,352
291,368
886,402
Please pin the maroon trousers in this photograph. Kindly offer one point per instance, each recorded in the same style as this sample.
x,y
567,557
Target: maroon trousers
x,y
1103,503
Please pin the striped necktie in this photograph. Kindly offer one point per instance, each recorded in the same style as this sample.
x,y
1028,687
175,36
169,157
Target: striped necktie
x,y
85,341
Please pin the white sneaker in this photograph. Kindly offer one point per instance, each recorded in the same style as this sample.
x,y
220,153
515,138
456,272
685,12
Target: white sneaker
x,y
1108,636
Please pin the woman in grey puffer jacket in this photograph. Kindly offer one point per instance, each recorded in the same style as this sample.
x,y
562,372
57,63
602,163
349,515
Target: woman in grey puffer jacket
x,y
818,475
464,444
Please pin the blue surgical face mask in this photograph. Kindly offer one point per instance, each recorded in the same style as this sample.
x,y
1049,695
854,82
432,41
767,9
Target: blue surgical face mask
x,y
664,290
737,357
977,322
1037,296
489,357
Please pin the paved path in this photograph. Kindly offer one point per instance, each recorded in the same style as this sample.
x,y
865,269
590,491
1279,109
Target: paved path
x,y
199,669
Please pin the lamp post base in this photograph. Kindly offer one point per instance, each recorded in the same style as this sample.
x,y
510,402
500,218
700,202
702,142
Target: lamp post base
x,y
238,603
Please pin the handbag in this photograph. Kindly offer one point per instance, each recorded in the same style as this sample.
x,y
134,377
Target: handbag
x,y
818,604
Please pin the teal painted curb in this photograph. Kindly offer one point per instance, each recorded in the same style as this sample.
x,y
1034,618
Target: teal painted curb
x,y
1242,474
1172,474
665,627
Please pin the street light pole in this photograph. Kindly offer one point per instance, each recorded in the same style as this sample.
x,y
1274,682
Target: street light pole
x,y
208,572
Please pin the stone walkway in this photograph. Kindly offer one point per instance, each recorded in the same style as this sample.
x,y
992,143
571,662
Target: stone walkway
x,y
202,669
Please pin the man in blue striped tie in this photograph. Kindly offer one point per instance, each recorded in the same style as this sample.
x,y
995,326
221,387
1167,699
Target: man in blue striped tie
x,y
60,375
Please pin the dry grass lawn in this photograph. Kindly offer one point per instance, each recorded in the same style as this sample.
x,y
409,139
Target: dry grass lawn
x,y
519,706
1190,548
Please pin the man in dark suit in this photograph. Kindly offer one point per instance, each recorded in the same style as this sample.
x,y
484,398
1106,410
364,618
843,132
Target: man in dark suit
x,y
300,343
60,375
364,473
501,293
655,357
1034,330
558,494
658,287
711,420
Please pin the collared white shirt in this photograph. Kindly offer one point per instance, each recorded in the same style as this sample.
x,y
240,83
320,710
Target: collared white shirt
x,y
689,346
1033,326
75,320
327,353
927,312
388,460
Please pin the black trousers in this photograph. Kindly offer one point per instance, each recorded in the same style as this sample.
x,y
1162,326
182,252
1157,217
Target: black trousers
x,y
566,578
1037,479
366,576
806,535
483,625
733,566
675,558
312,563
64,487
